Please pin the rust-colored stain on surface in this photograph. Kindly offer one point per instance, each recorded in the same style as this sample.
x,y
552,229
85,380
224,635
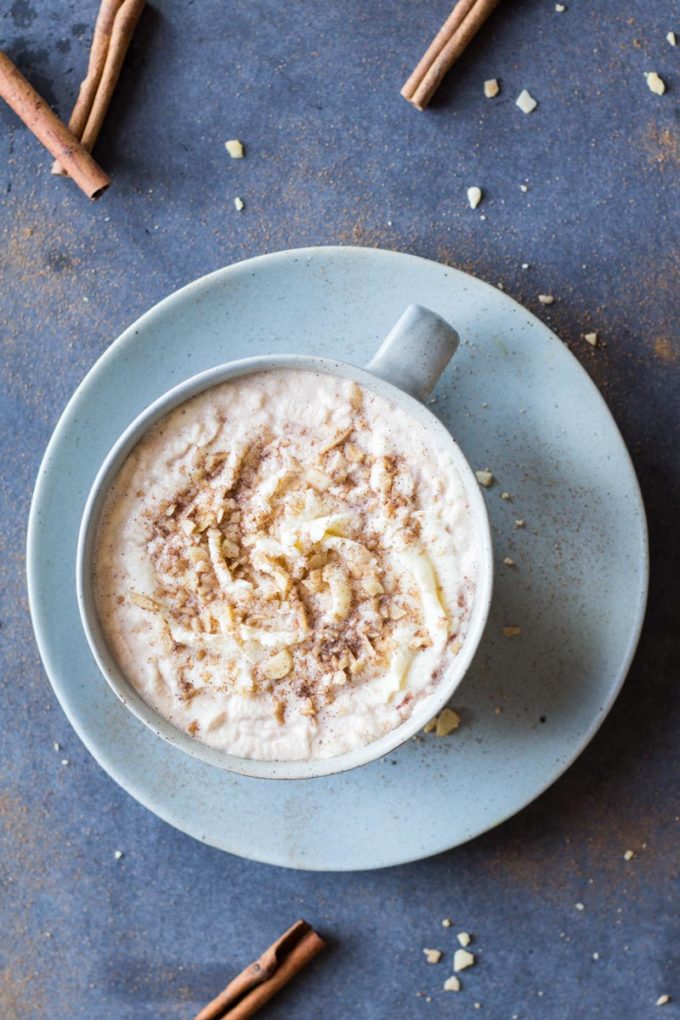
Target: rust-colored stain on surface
x,y
662,146
21,842
665,351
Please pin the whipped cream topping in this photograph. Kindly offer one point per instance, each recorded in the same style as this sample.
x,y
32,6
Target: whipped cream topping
x,y
285,565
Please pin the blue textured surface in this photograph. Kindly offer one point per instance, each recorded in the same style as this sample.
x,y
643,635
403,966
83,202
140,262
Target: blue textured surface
x,y
334,155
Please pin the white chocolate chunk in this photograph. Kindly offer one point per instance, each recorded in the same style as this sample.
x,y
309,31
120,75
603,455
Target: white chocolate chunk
x,y
474,196
546,299
144,602
423,572
447,722
319,479
484,478
462,959
526,102
235,148
278,666
464,938
655,83
670,37
341,592
590,338
433,955
491,88
335,441
452,984
238,204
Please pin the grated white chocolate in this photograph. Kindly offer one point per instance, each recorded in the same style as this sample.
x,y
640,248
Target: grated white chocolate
x,y
285,566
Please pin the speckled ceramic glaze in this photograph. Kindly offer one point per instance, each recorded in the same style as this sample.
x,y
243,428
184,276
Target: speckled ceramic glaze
x,y
518,403
409,361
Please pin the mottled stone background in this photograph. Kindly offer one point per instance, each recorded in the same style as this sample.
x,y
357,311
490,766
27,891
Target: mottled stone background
x,y
334,155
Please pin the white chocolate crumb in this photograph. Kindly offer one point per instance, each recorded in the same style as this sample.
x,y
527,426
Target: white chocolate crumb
x,y
278,666
117,854
65,761
474,196
505,495
579,906
526,102
235,148
56,745
629,855
519,524
433,955
492,88
462,959
446,923
546,299
663,1000
525,265
559,8
447,722
511,632
238,204
452,984
590,338
670,37
464,939
655,83
484,478
509,562
524,187
596,956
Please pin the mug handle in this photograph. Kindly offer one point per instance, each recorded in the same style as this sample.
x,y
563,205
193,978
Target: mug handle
x,y
415,352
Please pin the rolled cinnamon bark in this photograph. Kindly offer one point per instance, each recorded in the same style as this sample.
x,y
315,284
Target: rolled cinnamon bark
x,y
123,31
88,89
459,29
255,986
48,129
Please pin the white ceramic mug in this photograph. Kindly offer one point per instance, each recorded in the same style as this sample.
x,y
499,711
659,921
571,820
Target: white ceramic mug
x,y
405,370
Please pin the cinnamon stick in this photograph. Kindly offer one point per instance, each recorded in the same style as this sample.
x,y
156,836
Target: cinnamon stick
x,y
88,88
115,28
123,30
255,985
46,126
459,29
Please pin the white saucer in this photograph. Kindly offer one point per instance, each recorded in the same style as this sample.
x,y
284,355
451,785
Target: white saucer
x,y
519,403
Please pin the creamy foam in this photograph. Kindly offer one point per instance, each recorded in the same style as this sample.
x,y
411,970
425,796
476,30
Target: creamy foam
x,y
285,565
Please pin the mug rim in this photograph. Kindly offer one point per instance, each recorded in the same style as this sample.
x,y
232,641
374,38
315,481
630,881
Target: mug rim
x,y
123,688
